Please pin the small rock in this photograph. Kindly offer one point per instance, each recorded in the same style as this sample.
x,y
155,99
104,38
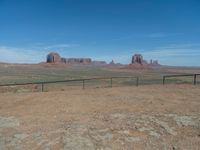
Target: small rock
x,y
153,133
132,139
184,121
21,136
8,122
124,132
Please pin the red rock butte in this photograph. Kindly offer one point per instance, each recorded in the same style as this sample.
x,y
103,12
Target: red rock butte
x,y
53,58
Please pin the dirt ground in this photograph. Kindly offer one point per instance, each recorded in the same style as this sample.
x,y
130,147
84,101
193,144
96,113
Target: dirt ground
x,y
126,118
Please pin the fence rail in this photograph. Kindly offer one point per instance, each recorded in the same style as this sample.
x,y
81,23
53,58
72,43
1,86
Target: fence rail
x,y
181,75
84,81
74,80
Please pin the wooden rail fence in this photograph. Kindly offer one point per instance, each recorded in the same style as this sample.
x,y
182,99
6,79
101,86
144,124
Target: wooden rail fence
x,y
80,80
182,75
103,78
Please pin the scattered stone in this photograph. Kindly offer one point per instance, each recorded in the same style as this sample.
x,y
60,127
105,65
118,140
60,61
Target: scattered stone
x,y
184,121
73,142
8,122
2,142
21,136
165,126
103,135
144,129
124,132
100,135
132,139
153,133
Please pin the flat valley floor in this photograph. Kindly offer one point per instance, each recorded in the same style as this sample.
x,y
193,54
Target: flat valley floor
x,y
121,118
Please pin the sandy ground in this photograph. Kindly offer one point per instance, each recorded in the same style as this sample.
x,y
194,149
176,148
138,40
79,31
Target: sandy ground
x,y
147,117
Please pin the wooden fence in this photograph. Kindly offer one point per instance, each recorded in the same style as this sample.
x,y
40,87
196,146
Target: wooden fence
x,y
84,81
80,80
182,75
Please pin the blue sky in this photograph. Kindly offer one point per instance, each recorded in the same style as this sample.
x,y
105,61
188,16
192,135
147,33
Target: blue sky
x,y
166,30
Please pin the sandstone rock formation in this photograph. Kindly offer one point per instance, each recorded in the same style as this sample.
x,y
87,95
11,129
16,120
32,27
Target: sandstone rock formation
x,y
139,63
63,60
78,60
53,58
137,58
99,63
112,62
154,62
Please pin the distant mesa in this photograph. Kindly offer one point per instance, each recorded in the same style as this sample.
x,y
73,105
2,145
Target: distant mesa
x,y
54,58
76,60
137,62
99,63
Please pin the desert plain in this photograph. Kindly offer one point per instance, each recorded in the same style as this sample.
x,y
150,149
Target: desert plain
x,y
125,117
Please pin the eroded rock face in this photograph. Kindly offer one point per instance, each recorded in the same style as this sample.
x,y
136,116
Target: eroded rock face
x,y
112,62
99,63
78,60
137,58
154,62
53,58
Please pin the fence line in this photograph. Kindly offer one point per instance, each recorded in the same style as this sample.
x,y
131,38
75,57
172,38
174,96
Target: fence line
x,y
42,83
182,75
74,80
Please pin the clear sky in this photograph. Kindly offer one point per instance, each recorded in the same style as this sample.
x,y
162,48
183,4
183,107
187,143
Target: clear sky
x,y
167,30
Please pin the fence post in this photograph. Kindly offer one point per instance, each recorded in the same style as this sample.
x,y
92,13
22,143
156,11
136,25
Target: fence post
x,y
83,84
137,81
163,80
195,79
111,82
42,87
